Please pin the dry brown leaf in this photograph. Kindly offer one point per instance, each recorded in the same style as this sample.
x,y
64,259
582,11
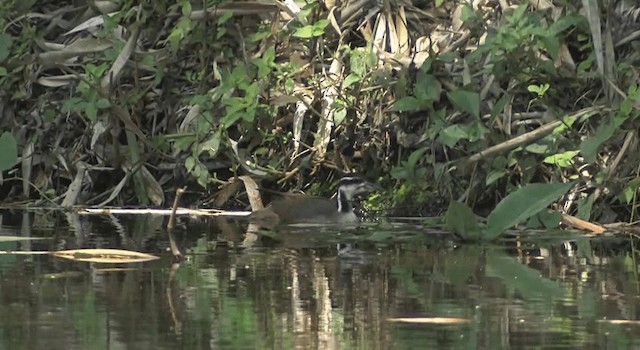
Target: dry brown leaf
x,y
252,192
153,188
116,68
79,47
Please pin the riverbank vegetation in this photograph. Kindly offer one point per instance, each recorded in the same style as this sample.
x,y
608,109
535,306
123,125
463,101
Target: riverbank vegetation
x,y
118,103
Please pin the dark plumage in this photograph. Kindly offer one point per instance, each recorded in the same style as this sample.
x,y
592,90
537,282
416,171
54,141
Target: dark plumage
x,y
303,209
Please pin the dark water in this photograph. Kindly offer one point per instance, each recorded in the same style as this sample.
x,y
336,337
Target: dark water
x,y
321,288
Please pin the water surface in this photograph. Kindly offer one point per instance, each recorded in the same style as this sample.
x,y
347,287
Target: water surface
x,y
315,288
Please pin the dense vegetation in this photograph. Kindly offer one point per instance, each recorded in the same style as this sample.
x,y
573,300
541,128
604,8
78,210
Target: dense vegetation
x,y
121,102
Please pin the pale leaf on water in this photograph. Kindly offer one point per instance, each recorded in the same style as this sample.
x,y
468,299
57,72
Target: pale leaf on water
x,y
19,238
105,256
430,320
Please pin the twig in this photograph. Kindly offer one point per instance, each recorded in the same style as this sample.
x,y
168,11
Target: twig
x,y
171,224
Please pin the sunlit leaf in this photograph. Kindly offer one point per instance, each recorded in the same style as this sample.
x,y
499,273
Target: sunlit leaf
x,y
521,205
562,160
350,80
313,30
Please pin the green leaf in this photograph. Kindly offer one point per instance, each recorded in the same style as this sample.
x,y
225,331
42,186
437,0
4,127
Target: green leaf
x,y
103,103
461,220
589,147
552,45
629,192
71,104
565,22
9,154
495,175
190,163
91,111
408,104
549,219
498,108
339,115
212,145
467,101
186,8
527,282
521,205
453,133
427,88
313,30
540,90
562,160
5,46
585,206
350,80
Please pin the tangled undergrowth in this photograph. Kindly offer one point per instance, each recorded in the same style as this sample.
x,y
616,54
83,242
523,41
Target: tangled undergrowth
x,y
117,103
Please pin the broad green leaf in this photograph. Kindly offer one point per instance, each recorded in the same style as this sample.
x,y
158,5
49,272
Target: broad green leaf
x,y
350,80
523,280
339,115
552,45
467,101
313,30
499,106
495,175
416,156
212,145
186,8
452,134
190,163
408,104
91,111
461,264
585,206
562,160
629,192
521,205
427,87
589,147
462,221
537,148
565,22
103,103
548,219
5,46
9,154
